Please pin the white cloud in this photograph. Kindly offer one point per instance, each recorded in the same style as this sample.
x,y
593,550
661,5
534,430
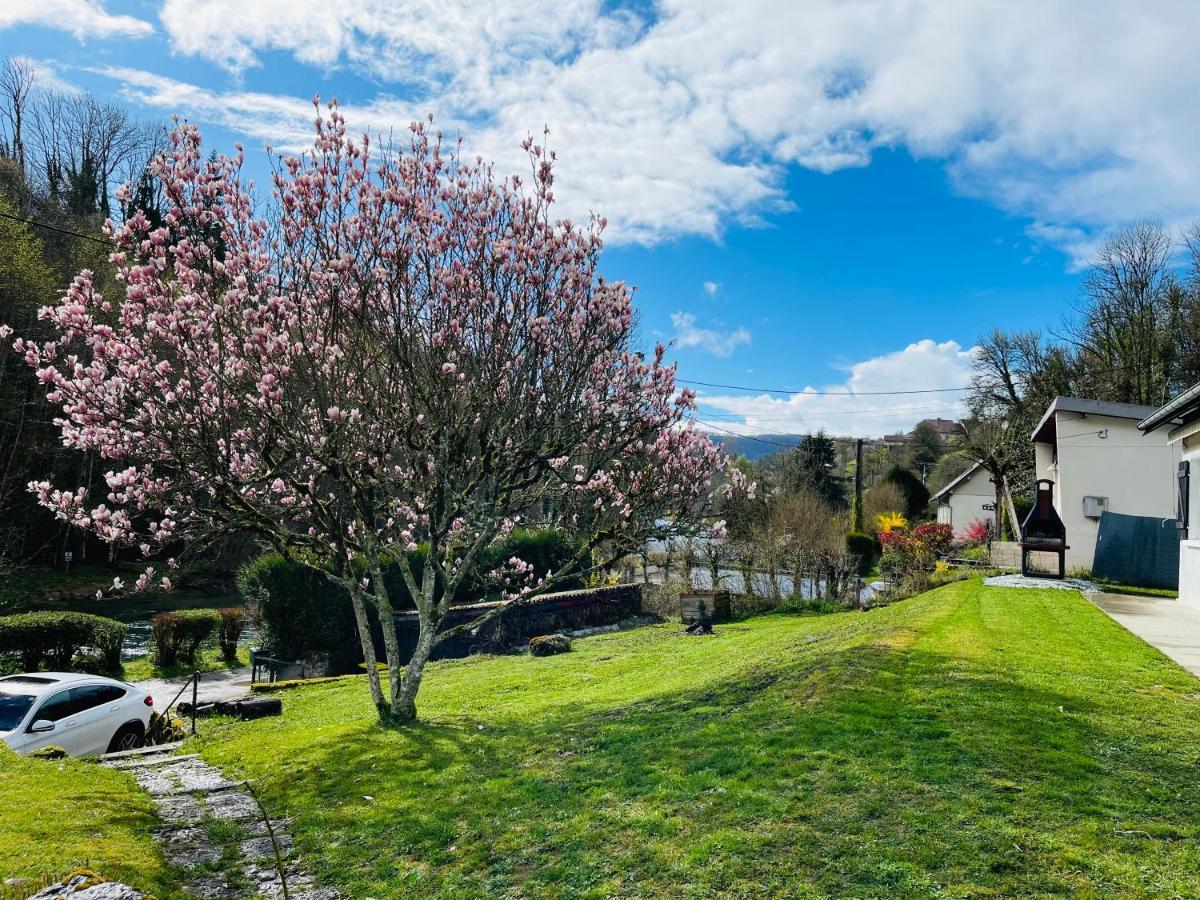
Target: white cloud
x,y
682,119
850,407
711,288
718,343
82,18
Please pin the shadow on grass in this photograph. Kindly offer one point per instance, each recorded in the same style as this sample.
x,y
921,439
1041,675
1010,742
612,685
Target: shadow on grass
x,y
871,770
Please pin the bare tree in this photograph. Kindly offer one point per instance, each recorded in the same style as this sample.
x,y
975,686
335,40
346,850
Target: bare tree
x,y
86,148
1001,450
16,86
1130,306
1017,374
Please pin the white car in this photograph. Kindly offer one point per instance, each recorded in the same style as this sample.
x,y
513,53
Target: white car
x,y
84,714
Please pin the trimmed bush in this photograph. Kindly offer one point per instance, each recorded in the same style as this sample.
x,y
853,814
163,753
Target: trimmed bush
x,y
864,548
56,637
175,637
229,630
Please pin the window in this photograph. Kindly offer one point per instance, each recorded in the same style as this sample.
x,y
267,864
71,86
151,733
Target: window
x,y
94,695
1183,498
13,708
57,708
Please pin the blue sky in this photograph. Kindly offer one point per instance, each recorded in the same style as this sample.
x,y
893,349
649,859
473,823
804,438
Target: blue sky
x,y
835,195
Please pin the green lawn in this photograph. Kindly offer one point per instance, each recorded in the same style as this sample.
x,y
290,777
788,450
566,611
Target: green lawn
x,y
60,815
209,659
967,742
1136,590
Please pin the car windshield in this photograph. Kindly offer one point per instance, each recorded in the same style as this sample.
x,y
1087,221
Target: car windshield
x,y
13,707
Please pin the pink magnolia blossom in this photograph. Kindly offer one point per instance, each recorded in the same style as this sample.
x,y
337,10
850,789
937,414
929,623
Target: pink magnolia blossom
x,y
401,349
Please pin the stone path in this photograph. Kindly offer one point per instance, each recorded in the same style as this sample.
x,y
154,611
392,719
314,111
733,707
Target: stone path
x,y
213,830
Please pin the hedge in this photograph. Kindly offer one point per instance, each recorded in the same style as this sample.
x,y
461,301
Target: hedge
x,y
175,637
56,637
305,614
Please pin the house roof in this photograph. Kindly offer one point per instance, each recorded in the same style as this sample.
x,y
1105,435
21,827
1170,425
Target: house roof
x,y
1186,405
945,427
1046,431
949,489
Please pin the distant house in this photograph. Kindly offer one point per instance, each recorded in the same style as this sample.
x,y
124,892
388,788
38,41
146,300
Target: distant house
x,y
1100,462
968,498
947,429
1183,415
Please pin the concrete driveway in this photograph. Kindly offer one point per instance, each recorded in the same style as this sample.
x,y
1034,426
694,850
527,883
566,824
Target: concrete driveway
x,y
224,684
1161,622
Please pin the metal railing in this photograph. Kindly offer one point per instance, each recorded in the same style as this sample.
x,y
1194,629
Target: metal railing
x,y
194,683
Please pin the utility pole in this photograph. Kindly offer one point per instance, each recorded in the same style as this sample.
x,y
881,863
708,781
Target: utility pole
x,y
856,517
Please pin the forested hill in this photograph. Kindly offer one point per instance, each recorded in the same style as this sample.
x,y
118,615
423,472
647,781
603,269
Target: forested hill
x,y
755,446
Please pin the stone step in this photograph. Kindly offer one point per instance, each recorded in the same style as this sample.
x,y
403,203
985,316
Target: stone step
x,y
146,762
221,787
141,751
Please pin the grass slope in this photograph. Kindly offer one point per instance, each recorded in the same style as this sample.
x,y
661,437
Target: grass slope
x,y
60,815
969,742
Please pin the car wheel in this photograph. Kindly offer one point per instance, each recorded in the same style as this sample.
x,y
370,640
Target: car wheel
x,y
128,737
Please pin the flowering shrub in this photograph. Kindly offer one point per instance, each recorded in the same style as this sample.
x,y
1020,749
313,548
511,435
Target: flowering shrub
x,y
890,521
919,548
977,532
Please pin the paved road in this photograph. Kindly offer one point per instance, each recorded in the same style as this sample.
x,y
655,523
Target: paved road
x,y
1171,626
225,684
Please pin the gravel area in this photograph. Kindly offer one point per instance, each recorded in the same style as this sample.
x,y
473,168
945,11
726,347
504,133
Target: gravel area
x,y
1020,581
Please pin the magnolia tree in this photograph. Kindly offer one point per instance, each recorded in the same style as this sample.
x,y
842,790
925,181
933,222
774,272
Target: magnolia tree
x,y
403,349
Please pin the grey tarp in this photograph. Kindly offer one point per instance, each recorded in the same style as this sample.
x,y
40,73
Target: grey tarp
x,y
1137,550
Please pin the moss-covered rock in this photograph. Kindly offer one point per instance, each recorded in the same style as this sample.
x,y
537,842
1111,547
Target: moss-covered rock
x,y
550,644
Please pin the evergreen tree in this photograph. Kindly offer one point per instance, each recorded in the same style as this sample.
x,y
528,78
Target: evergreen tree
x,y
916,495
813,466
925,448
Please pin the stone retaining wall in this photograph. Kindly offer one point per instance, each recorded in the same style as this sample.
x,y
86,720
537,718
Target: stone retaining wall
x,y
546,614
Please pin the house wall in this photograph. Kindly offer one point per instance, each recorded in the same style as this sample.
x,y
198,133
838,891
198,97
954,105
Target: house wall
x,y
965,503
1189,549
1134,471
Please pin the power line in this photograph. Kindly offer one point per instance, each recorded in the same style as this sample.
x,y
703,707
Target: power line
x,y
34,222
742,387
835,412
851,394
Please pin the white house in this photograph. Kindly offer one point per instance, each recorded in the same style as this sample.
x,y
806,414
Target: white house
x,y
1183,416
970,497
1099,461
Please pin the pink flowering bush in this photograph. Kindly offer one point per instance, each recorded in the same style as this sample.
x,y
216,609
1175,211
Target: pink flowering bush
x,y
977,532
401,348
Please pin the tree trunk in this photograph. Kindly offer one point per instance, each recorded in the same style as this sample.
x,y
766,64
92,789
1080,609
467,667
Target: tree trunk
x,y
1000,509
368,647
404,701
402,711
